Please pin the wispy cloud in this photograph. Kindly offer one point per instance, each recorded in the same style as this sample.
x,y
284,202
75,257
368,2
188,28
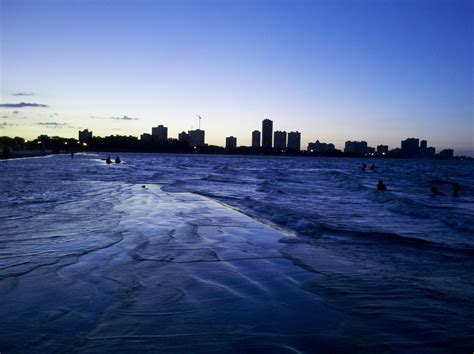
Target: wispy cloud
x,y
116,118
56,125
5,124
21,105
23,94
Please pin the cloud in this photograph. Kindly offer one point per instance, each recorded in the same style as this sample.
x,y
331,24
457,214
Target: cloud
x,y
5,124
23,94
21,105
54,125
116,118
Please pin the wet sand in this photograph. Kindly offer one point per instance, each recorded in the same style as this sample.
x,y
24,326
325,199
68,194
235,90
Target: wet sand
x,y
187,274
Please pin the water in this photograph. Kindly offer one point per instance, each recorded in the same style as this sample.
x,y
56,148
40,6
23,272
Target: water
x,y
343,266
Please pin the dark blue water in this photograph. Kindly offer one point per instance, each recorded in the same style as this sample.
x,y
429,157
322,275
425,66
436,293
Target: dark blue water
x,y
398,264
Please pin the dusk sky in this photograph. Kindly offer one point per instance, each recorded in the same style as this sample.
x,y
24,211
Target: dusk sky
x,y
379,71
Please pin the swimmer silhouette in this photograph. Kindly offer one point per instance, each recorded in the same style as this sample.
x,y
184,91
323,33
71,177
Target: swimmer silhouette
x,y
435,191
456,189
108,161
364,166
117,160
381,186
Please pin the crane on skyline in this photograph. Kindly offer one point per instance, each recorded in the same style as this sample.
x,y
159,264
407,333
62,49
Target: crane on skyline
x,y
199,121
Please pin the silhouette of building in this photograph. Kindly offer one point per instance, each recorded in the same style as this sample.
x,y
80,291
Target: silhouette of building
x,y
256,139
230,143
410,147
425,151
382,149
430,152
196,137
85,135
446,154
146,138
183,137
356,147
320,147
159,134
279,140
267,132
294,141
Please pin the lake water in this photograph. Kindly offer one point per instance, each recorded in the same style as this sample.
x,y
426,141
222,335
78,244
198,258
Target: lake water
x,y
180,253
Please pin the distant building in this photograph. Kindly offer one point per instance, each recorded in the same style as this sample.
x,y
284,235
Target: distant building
x,y
279,140
425,151
267,133
320,147
146,138
230,143
256,139
382,149
356,147
159,133
294,141
410,147
183,137
446,154
196,137
85,135
430,152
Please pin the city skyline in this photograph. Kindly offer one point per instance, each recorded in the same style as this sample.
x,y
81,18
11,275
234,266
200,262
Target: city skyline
x,y
336,71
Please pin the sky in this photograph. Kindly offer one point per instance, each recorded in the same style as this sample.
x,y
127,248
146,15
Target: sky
x,y
335,70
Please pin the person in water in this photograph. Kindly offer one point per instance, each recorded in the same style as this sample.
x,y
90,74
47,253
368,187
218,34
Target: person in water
x,y
364,166
381,186
108,160
456,189
435,191
372,167
117,160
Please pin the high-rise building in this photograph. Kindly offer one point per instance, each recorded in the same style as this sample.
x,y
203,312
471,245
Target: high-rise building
x,y
159,133
279,140
267,133
85,135
294,141
356,147
256,139
410,147
231,143
196,137
423,144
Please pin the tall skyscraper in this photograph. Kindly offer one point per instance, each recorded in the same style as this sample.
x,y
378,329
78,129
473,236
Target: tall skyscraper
x,y
159,133
267,132
256,139
231,143
294,141
280,140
